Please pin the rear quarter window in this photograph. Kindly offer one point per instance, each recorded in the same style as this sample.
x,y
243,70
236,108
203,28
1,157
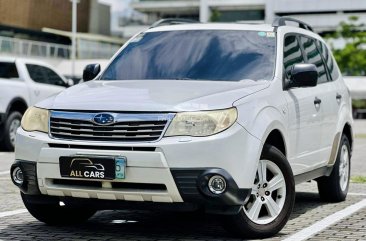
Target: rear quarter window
x,y
329,60
8,71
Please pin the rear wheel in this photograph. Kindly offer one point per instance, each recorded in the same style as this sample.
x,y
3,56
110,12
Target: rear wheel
x,y
335,187
54,214
10,129
272,199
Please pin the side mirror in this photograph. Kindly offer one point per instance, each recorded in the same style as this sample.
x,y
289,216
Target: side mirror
x,y
303,75
70,82
91,71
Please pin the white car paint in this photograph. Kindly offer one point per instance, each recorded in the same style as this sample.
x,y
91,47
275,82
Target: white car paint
x,y
24,87
309,131
150,96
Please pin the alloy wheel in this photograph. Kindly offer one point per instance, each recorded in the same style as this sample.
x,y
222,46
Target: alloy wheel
x,y
14,125
268,194
344,168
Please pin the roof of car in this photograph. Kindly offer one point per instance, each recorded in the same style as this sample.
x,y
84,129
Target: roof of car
x,y
25,60
7,59
213,26
13,59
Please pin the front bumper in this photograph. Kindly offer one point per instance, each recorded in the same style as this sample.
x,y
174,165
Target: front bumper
x,y
159,172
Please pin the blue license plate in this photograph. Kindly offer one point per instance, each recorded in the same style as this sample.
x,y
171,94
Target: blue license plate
x,y
120,167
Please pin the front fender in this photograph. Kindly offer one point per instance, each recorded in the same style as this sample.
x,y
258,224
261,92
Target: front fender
x,y
261,123
263,120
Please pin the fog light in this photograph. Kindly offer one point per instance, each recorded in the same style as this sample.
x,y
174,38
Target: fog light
x,y
217,184
17,176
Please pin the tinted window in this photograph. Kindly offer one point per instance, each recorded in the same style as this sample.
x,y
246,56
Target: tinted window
x,y
44,75
8,70
332,68
36,73
52,77
225,55
291,54
313,57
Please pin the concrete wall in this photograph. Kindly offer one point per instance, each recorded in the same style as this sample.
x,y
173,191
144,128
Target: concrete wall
x,y
99,18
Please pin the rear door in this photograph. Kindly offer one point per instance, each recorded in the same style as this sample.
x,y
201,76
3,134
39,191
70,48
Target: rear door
x,y
334,92
305,115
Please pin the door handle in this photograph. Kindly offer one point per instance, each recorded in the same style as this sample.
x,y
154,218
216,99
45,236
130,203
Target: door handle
x,y
37,92
317,101
338,96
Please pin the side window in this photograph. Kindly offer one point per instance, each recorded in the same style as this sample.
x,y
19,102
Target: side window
x,y
36,73
332,68
52,77
291,54
8,71
313,57
44,75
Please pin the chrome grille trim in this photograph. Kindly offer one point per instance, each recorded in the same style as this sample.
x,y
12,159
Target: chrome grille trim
x,y
127,127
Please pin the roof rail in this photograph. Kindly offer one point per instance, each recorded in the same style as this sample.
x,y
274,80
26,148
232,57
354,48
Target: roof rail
x,y
172,21
281,21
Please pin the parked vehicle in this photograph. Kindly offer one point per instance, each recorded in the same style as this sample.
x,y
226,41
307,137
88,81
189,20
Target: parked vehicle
x,y
357,89
221,117
23,82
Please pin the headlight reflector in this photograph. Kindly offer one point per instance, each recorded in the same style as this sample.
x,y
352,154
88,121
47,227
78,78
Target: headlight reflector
x,y
201,123
35,119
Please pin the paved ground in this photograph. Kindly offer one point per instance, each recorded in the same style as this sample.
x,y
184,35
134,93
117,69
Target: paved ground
x,y
310,218
144,225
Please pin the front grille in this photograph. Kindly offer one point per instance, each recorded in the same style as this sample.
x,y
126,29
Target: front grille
x,y
126,127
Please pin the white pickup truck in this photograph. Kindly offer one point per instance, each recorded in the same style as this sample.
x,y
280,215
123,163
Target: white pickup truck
x,y
23,82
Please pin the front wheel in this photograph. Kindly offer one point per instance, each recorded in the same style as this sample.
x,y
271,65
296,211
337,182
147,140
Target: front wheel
x,y
272,199
54,214
10,130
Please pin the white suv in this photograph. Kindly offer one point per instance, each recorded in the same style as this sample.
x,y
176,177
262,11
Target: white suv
x,y
23,82
221,117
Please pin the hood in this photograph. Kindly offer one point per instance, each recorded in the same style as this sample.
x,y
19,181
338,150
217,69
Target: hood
x,y
152,95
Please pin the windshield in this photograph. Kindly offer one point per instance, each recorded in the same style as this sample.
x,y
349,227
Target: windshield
x,y
224,55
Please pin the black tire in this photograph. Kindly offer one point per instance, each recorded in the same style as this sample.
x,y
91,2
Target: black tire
x,y
7,142
54,214
330,189
241,225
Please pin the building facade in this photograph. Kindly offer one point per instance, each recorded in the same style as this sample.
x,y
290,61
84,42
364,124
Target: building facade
x,y
323,15
36,14
42,29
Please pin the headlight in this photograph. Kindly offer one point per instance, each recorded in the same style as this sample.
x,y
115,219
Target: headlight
x,y
35,119
201,123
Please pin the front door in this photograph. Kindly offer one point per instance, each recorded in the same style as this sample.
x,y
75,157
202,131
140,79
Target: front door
x,y
45,82
305,113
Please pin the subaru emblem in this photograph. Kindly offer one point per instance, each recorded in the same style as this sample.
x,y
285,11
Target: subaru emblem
x,y
103,119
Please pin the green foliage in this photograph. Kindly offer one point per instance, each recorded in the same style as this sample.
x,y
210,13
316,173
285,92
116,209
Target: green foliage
x,y
358,179
215,15
352,58
359,104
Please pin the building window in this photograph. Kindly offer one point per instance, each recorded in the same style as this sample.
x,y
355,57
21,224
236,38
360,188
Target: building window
x,y
239,15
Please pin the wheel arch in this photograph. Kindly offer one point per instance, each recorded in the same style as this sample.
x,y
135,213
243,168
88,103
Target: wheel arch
x,y
276,139
347,131
17,104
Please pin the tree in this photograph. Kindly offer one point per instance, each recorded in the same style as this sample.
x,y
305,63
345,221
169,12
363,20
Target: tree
x,y
352,58
215,15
